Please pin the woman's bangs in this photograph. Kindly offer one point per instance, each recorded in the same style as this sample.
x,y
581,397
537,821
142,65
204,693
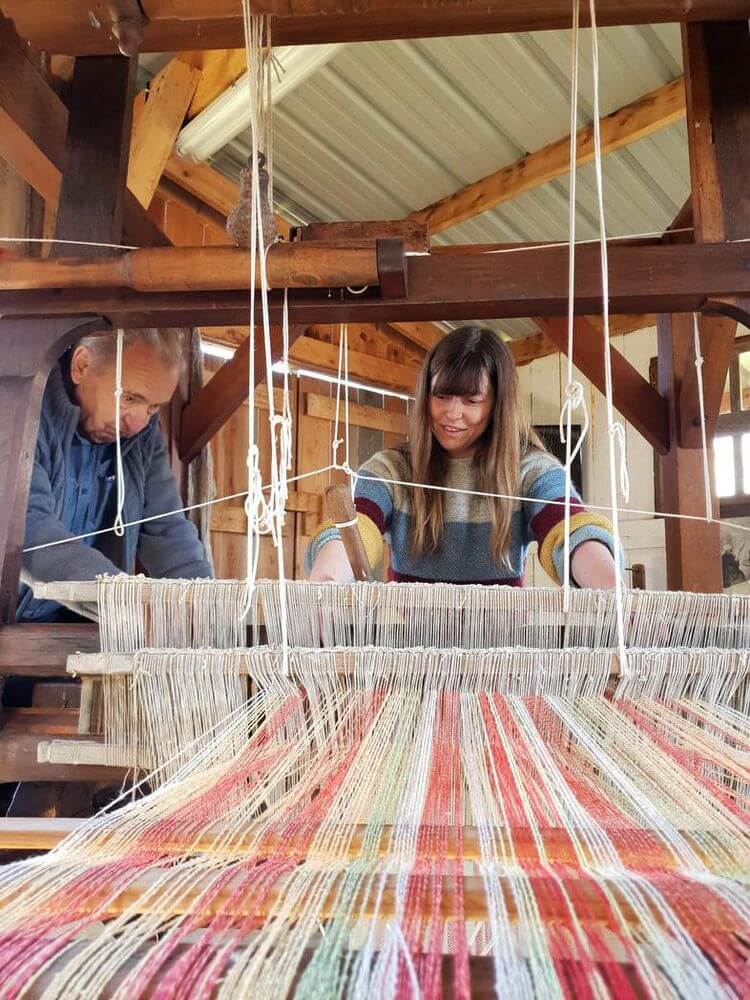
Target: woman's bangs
x,y
461,375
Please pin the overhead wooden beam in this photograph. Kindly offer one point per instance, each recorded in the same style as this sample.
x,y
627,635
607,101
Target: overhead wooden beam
x,y
637,401
81,27
159,113
648,114
288,265
534,283
219,69
532,348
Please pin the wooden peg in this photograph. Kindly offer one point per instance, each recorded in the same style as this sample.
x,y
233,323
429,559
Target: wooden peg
x,y
339,508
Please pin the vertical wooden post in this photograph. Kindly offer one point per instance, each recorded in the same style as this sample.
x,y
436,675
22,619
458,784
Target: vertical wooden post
x,y
693,548
96,153
90,209
716,57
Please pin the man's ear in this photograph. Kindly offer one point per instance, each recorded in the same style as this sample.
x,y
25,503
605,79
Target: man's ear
x,y
80,362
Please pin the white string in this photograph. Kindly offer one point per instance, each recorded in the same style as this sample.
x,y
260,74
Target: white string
x,y
573,389
655,234
118,527
521,498
73,243
408,253
702,407
614,437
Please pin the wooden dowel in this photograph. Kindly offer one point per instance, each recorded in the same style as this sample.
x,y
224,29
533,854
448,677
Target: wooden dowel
x,y
173,269
339,508
88,665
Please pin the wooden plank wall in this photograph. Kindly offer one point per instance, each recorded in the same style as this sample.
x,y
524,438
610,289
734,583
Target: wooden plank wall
x,y
375,422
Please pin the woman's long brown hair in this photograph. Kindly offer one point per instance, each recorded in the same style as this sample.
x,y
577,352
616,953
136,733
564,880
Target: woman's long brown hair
x,y
454,367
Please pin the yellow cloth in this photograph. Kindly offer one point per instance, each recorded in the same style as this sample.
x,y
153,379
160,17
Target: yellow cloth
x,y
368,532
556,535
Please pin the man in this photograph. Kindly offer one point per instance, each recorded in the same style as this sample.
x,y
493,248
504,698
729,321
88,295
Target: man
x,y
74,482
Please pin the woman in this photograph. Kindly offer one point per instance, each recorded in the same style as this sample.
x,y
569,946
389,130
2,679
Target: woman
x,y
468,433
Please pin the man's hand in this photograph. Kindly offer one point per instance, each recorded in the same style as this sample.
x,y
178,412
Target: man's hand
x,y
331,564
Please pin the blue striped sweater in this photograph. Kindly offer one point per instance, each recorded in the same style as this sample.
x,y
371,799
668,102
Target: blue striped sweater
x,y
465,555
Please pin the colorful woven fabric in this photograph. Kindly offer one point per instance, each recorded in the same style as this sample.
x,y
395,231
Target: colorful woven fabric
x,y
465,554
409,827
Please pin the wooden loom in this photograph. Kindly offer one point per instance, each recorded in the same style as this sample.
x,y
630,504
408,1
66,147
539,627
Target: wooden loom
x,y
49,305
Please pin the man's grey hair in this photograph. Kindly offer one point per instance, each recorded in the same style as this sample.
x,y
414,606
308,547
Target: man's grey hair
x,y
167,344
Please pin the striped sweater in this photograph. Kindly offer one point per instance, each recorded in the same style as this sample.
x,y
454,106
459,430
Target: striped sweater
x,y
464,556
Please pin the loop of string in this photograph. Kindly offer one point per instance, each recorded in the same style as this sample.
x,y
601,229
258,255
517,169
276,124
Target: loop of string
x,y
702,408
617,431
119,526
573,390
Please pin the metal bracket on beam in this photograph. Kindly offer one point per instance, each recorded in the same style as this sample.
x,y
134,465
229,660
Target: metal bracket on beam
x,y
128,22
391,268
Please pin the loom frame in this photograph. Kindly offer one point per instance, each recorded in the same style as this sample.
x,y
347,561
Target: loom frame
x,y
95,205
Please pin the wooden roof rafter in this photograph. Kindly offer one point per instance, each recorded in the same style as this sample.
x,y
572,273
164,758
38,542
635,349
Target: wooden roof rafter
x,y
84,27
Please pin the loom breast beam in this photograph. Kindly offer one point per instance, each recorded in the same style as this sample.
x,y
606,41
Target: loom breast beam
x,y
167,269
338,507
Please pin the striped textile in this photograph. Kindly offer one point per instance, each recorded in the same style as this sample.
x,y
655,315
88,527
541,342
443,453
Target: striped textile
x,y
465,554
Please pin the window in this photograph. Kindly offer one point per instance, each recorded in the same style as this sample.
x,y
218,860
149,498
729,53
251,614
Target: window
x,y
732,440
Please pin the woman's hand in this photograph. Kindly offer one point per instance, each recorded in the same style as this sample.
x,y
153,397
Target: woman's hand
x,y
331,564
592,566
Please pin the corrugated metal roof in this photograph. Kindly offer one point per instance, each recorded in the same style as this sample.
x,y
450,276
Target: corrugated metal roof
x,y
386,128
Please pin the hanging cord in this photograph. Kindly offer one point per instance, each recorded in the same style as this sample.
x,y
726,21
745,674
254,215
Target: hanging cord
x,y
616,437
702,407
342,385
574,398
119,526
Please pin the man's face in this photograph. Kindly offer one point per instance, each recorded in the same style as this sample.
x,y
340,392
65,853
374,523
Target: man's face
x,y
147,383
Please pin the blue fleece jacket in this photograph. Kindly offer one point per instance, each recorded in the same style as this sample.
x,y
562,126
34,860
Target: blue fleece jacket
x,y
167,547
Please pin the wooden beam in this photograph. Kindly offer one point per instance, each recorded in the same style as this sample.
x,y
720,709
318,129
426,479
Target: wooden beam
x,y
204,183
96,153
32,650
324,408
648,114
313,353
33,119
424,335
220,398
32,137
693,548
210,187
719,144
163,106
293,265
176,25
535,283
528,349
19,761
636,400
219,69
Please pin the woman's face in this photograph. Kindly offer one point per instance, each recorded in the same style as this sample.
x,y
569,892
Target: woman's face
x,y
458,422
